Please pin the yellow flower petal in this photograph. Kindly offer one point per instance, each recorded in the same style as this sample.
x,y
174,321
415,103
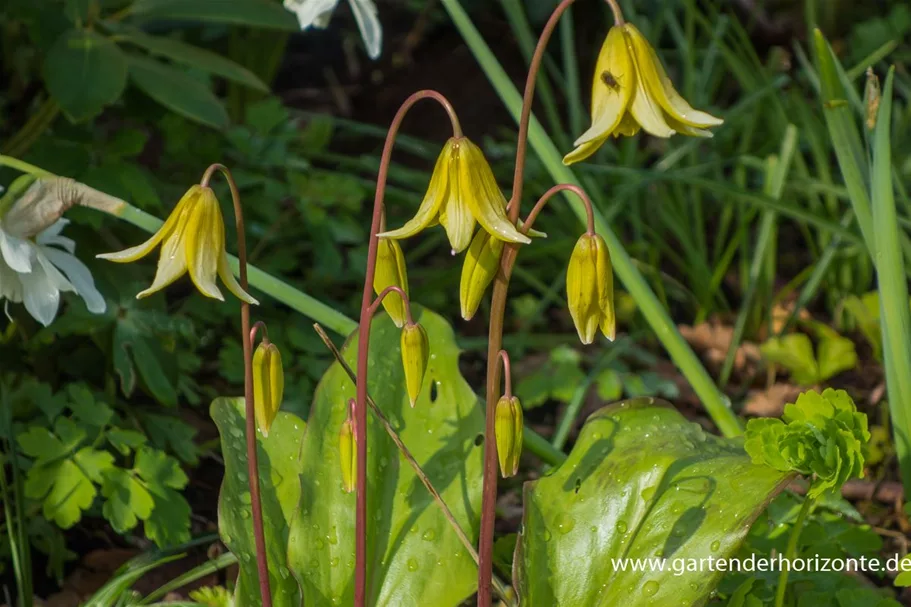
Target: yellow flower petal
x,y
612,87
643,107
584,151
662,89
205,240
139,251
483,196
437,192
171,265
455,214
227,277
627,127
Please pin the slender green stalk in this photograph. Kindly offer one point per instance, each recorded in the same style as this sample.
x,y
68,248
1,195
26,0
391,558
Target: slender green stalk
x,y
775,180
680,352
893,288
791,550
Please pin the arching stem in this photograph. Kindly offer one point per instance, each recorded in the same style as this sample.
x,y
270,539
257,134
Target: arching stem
x,y
542,202
246,338
360,569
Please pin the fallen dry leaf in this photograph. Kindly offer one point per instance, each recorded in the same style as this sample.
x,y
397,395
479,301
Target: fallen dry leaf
x,y
771,401
713,340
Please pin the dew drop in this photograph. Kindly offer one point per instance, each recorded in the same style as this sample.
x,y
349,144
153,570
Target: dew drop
x,y
412,564
621,527
715,546
429,535
650,588
565,523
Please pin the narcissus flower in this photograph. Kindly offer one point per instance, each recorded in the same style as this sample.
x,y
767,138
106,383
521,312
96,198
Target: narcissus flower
x,y
631,90
391,271
347,450
193,240
463,190
590,289
268,384
415,354
37,263
508,431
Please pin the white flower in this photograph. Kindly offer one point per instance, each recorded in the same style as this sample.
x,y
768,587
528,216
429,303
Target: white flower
x,y
317,13
35,272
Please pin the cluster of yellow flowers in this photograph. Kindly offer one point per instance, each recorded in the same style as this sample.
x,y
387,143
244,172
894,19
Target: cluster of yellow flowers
x,y
630,91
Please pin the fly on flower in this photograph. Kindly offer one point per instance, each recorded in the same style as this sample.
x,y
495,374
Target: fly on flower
x,y
463,190
193,240
630,91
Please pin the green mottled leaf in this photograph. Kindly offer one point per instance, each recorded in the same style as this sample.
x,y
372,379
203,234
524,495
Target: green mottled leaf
x,y
249,13
280,488
641,482
84,72
414,557
177,91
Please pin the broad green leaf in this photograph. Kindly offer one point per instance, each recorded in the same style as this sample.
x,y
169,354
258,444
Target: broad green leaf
x,y
125,440
128,501
249,13
865,310
195,57
280,490
414,557
84,72
642,482
177,91
835,355
169,522
794,352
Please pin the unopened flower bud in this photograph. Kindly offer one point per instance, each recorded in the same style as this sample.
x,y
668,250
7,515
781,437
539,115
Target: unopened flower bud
x,y
479,269
509,434
268,384
590,289
347,450
415,354
391,271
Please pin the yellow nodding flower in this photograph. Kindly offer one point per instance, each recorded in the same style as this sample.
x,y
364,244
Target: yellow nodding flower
x,y
463,190
482,261
590,289
347,449
415,354
508,430
268,385
631,90
391,271
193,240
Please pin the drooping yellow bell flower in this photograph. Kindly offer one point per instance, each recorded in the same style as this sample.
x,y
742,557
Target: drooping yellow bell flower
x,y
631,90
590,289
193,240
463,190
268,384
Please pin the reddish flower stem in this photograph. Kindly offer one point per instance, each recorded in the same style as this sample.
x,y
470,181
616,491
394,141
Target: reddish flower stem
x,y
256,327
246,338
507,373
542,202
498,309
379,299
360,569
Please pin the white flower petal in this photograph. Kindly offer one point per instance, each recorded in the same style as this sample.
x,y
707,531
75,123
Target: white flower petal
x,y
16,252
365,14
10,283
40,295
311,12
80,277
